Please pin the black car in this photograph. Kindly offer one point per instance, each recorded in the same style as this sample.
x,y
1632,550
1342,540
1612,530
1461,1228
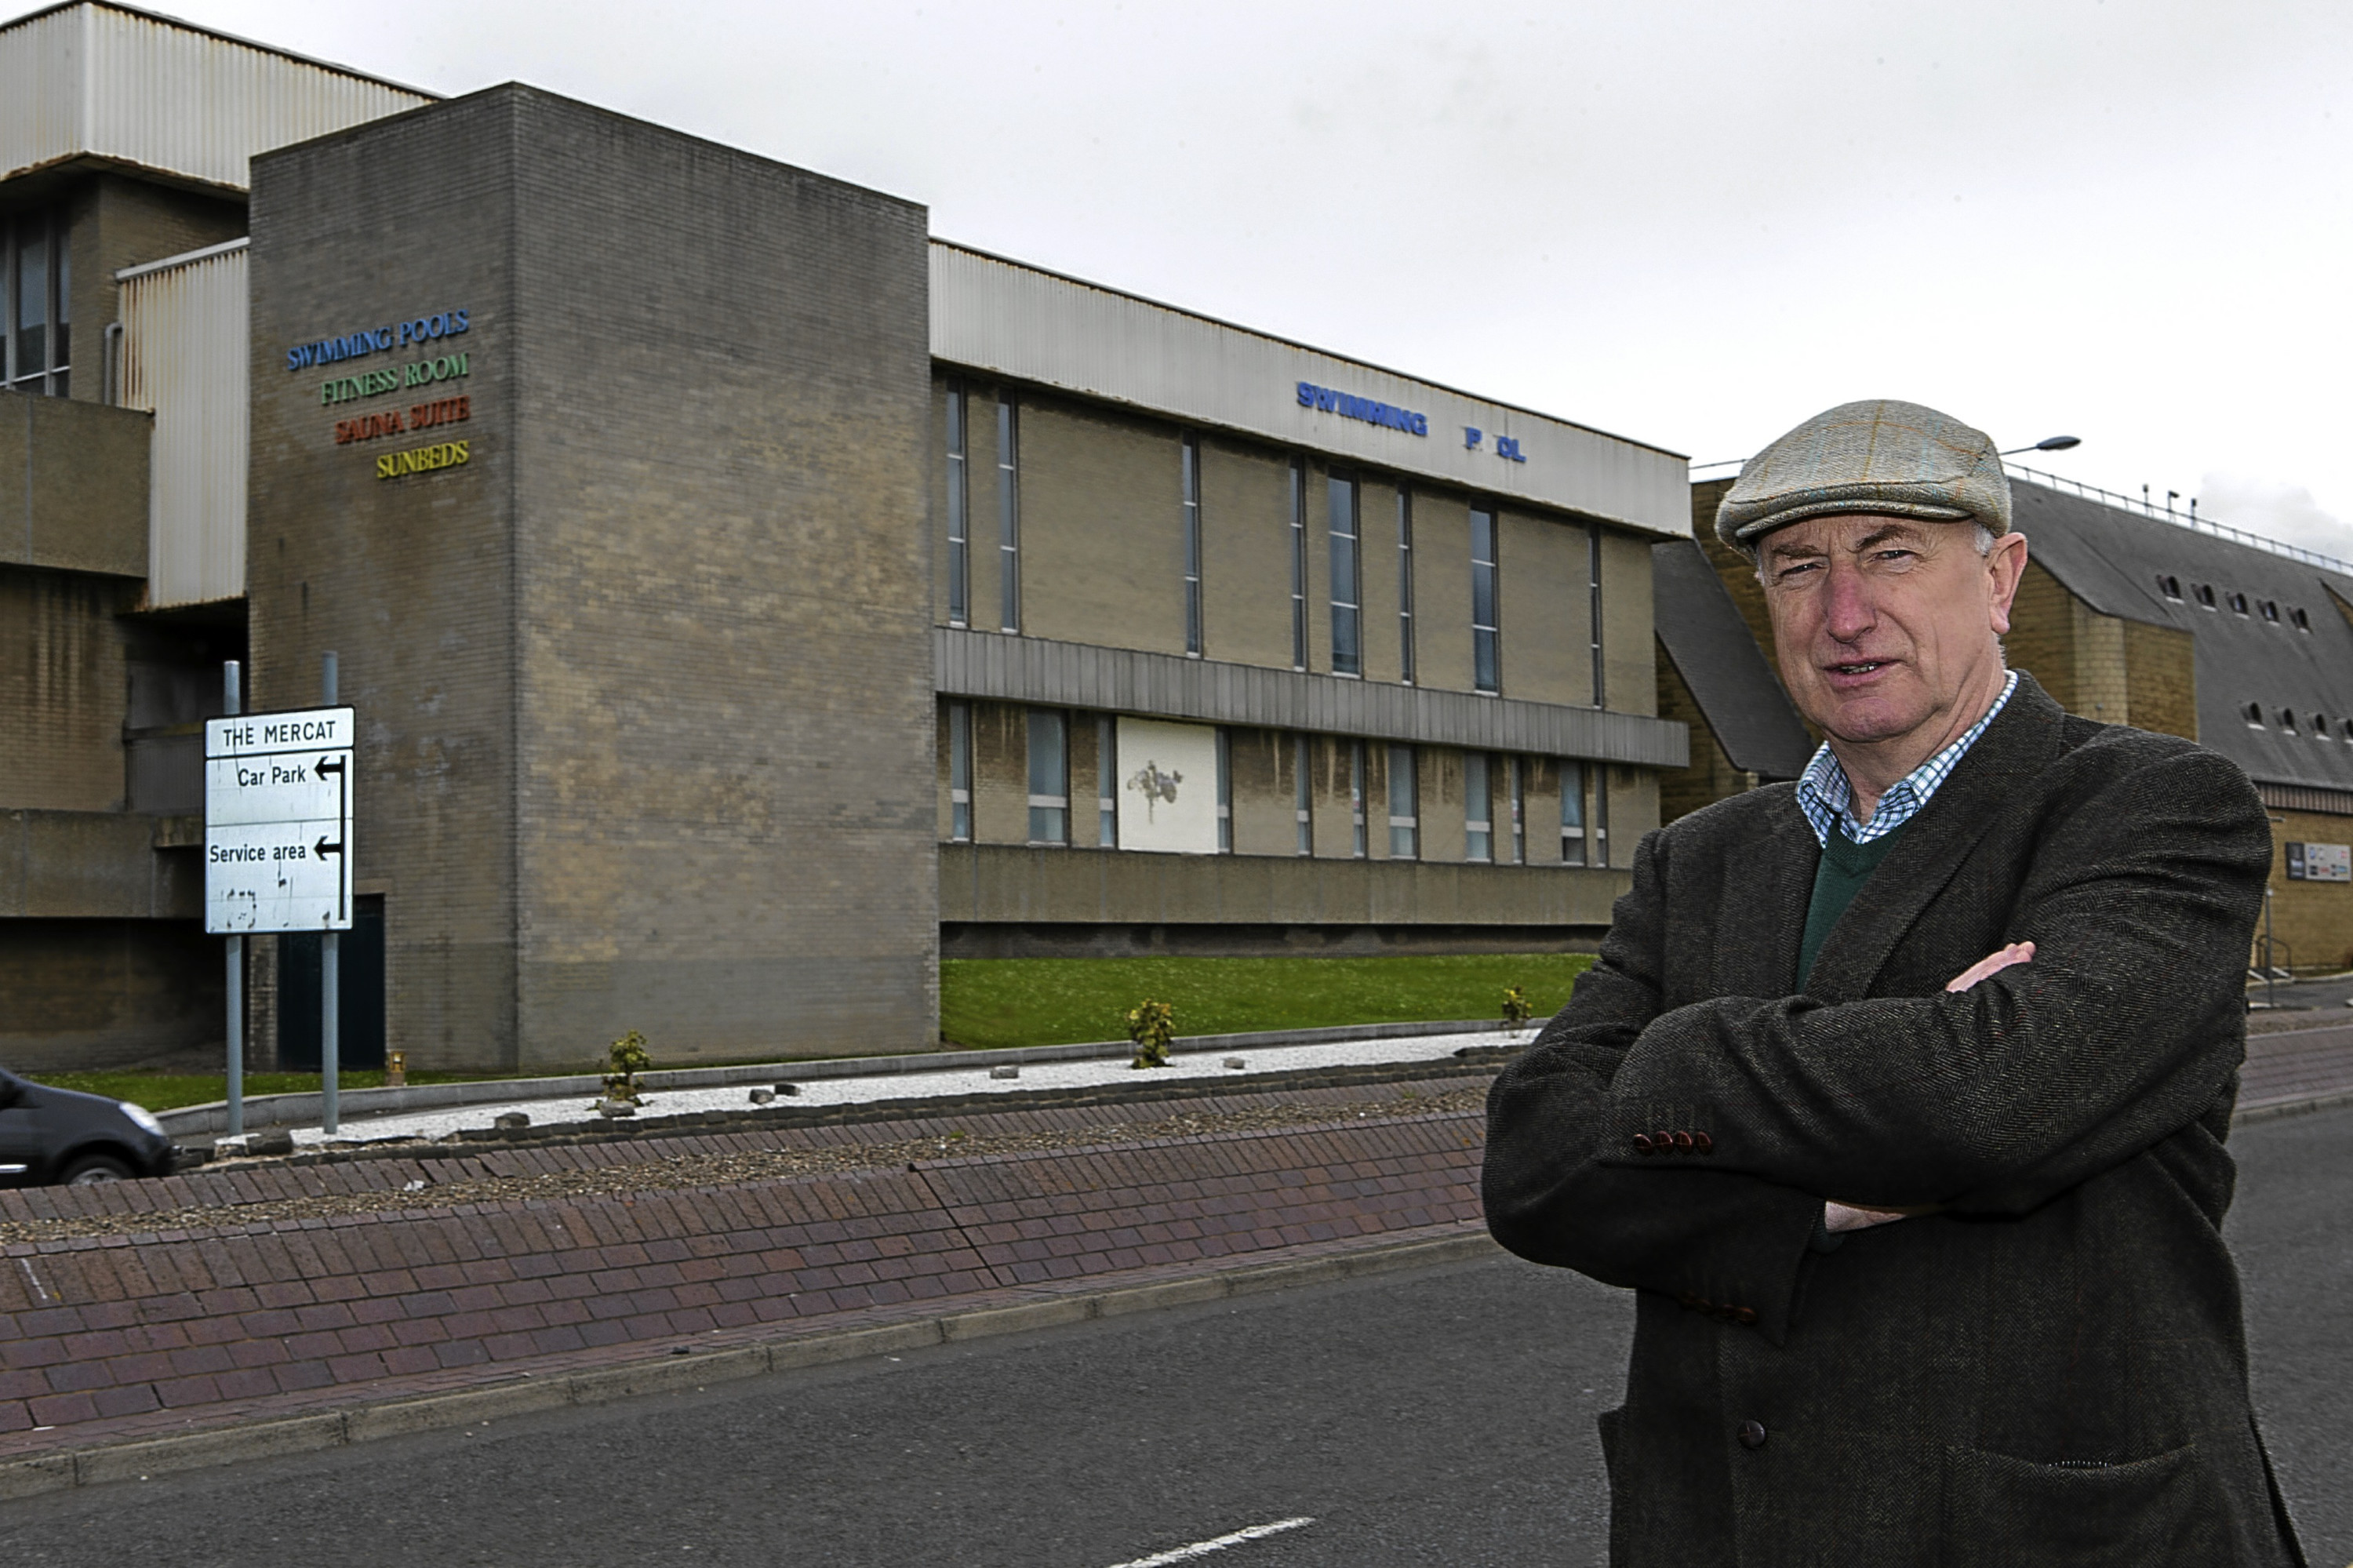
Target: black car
x,y
61,1136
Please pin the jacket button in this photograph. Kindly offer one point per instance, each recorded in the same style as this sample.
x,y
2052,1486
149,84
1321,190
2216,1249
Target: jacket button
x,y
1682,1142
1643,1143
1702,1143
1664,1142
1752,1434
1745,1315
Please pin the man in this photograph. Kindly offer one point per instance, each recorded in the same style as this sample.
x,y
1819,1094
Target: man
x,y
1898,1095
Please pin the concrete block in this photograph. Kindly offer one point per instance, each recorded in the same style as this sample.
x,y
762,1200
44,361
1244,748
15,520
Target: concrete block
x,y
201,1450
668,1374
30,1478
1017,1319
396,1418
1152,1297
824,1350
1005,1072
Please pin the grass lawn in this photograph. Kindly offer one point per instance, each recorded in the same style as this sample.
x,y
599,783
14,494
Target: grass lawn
x,y
169,1091
989,1003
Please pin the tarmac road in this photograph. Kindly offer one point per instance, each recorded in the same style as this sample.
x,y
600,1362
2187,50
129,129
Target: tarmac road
x,y
1438,1417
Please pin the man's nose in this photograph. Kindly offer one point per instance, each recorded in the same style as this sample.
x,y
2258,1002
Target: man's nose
x,y
1847,612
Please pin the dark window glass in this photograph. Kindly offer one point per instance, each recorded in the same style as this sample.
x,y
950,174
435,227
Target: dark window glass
x,y
1405,811
1485,634
1298,564
1009,515
1572,813
1303,793
1356,798
1405,586
2255,713
1600,814
1049,777
959,772
1192,486
1347,651
1519,809
2301,623
1225,795
1478,809
36,303
32,300
1593,609
959,513
1106,782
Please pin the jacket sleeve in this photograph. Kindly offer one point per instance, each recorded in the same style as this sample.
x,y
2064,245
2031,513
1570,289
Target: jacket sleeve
x,y
1726,1238
2140,902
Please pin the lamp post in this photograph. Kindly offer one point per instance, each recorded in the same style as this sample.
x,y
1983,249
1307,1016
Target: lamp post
x,y
2047,444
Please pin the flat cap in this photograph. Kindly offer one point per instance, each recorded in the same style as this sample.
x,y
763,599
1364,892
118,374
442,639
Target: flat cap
x,y
1879,456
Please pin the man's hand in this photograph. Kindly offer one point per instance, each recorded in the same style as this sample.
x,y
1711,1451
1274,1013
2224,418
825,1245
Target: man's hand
x,y
1837,1216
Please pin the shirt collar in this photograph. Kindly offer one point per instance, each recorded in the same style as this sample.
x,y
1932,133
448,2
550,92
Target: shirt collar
x,y
1824,795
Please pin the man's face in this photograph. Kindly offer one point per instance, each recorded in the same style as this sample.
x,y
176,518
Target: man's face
x,y
1882,626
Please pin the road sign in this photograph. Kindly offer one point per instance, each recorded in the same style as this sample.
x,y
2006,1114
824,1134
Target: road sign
x,y
277,821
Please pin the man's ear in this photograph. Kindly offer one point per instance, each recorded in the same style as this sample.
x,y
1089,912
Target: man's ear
x,y
2005,566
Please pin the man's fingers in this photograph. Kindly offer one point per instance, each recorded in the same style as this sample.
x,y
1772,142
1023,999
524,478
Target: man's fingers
x,y
1992,963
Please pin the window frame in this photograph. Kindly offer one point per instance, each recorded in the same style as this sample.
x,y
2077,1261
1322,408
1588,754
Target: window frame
x,y
1478,809
1404,827
1008,513
1487,575
1299,562
1573,826
960,773
1346,558
1188,465
1405,586
959,520
1047,808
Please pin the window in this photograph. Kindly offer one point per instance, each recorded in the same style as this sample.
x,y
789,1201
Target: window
x,y
1347,591
1600,814
1405,815
1356,798
960,772
1107,781
1519,802
1478,809
2239,603
36,303
2271,610
1405,585
1192,464
1009,515
2170,586
2205,595
1225,795
959,513
1593,606
2287,720
1303,793
1299,562
1485,634
2302,622
2321,727
2255,713
1572,813
1049,777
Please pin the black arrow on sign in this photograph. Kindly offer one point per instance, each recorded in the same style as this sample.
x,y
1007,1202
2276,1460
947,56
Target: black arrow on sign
x,y
328,765
325,847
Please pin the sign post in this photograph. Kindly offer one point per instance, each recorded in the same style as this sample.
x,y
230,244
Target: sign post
x,y
232,704
278,838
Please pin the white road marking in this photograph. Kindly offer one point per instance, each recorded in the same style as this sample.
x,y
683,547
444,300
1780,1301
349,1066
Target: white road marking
x,y
1203,1548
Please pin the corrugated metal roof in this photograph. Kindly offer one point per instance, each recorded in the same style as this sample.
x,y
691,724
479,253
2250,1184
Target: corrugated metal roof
x,y
107,81
1037,326
1728,674
184,348
2115,561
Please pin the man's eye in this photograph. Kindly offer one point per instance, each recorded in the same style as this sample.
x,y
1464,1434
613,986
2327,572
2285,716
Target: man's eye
x,y
1788,573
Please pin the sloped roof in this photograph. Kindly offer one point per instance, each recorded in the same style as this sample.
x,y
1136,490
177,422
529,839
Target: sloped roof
x,y
1720,662
2116,561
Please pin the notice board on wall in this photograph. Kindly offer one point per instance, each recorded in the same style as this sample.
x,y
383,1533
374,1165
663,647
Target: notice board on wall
x,y
2319,862
1167,787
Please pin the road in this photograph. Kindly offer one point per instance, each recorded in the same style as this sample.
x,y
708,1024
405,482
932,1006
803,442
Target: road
x,y
1440,1417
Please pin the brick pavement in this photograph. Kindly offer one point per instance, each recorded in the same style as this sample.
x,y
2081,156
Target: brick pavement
x,y
113,1337
2284,1066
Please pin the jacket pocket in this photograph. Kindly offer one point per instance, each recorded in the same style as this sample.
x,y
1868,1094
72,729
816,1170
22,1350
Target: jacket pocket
x,y
2000,1513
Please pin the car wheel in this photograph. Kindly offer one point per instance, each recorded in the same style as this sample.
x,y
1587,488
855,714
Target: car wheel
x,y
92,1169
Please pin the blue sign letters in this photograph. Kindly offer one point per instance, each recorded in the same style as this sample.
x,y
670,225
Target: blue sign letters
x,y
1350,407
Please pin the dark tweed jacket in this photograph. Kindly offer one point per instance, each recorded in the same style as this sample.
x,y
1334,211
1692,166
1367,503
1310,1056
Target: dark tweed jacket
x,y
2050,1369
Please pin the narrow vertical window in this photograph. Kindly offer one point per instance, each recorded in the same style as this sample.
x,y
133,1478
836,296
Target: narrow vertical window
x,y
1519,796
1478,809
1405,586
1009,515
1299,562
1107,781
1485,634
1572,813
1593,576
959,513
1192,465
1359,845
1302,792
960,772
32,310
36,303
1049,777
1347,642
1601,814
1405,808
1225,794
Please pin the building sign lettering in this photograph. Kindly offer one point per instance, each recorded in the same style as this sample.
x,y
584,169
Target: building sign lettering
x,y
377,340
391,422
424,373
422,459
1350,407
1507,447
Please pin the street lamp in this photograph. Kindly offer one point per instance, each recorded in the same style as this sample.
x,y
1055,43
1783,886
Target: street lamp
x,y
2047,444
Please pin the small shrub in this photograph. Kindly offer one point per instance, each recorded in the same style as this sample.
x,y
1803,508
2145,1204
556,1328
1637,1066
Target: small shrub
x,y
626,1059
1152,1025
1516,1010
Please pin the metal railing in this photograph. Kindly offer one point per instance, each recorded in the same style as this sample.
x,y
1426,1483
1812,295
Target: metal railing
x,y
2190,520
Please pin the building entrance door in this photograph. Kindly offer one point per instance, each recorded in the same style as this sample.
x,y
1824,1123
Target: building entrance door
x,y
361,1035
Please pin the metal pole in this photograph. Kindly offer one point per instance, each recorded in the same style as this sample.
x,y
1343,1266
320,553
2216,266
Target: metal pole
x,y
329,976
2271,954
233,703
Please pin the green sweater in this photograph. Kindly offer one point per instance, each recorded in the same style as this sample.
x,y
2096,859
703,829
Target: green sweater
x,y
1845,867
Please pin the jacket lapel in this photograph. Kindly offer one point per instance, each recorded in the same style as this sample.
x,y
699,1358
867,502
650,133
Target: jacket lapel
x,y
1995,775
1768,882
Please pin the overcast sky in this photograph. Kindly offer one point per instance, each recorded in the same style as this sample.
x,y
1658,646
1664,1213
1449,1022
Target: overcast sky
x,y
1690,223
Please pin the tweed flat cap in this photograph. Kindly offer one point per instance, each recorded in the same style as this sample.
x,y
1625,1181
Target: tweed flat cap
x,y
1878,456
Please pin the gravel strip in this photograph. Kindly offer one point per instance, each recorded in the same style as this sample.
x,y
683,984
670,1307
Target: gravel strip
x,y
655,1171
